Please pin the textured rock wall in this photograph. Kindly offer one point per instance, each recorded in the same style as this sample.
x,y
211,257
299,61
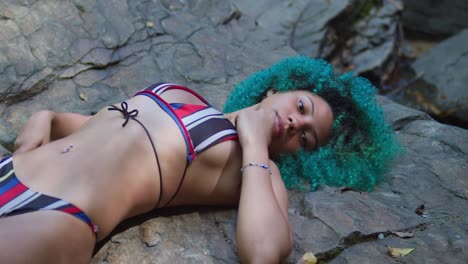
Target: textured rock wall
x,y
82,55
435,18
441,83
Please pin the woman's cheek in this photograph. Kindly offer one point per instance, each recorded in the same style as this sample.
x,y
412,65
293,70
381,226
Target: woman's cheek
x,y
294,147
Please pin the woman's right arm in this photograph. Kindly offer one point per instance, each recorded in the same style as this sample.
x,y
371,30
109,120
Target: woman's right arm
x,y
263,229
45,126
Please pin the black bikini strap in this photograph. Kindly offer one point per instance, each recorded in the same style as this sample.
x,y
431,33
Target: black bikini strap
x,y
180,185
132,115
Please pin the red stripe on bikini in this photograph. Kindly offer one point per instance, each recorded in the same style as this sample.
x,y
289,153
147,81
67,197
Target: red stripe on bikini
x,y
71,210
12,193
93,228
187,110
186,134
229,138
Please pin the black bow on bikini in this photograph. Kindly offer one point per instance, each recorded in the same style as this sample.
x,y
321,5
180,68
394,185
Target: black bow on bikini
x,y
124,110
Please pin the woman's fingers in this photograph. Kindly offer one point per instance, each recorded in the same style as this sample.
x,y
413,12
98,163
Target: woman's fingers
x,y
24,144
35,133
255,125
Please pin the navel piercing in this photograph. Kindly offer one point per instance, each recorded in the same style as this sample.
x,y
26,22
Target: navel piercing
x,y
66,150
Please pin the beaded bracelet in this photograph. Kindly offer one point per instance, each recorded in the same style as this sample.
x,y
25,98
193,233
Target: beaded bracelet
x,y
260,165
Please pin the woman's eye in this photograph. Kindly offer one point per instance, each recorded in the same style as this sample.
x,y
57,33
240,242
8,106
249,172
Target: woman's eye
x,y
300,106
304,140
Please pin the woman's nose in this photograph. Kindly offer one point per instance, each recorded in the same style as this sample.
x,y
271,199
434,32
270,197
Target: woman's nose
x,y
295,123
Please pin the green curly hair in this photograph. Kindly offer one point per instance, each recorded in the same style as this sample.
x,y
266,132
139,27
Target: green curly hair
x,y
362,144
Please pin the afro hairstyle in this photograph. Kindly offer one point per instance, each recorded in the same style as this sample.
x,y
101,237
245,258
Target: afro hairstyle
x,y
362,144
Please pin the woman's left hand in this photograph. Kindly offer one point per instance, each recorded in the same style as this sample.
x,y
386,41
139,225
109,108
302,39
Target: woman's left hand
x,y
35,133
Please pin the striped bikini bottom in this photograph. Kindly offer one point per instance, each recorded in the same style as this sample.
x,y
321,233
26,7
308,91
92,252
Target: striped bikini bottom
x,y
16,198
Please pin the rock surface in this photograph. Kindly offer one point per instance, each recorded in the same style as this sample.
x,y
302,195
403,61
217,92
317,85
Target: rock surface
x,y
82,55
441,83
436,18
352,34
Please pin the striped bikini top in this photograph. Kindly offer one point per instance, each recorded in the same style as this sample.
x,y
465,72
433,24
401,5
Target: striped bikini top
x,y
201,125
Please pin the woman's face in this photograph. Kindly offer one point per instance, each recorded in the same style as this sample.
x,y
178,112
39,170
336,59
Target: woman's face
x,y
303,120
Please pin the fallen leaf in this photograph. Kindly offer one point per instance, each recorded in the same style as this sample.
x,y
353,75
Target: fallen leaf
x,y
403,234
399,252
308,258
83,97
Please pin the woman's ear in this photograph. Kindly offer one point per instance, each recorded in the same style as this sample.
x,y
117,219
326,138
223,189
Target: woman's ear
x,y
267,93
270,92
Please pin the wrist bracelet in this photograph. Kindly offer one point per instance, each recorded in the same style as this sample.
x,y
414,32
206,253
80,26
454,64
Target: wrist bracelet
x,y
259,165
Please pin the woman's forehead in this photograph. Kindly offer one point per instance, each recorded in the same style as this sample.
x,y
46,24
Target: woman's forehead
x,y
299,92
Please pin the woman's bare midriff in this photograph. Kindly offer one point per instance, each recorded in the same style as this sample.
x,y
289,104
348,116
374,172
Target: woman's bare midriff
x,y
110,171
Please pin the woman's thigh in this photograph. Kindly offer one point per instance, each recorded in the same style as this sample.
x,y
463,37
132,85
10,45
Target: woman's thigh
x,y
45,237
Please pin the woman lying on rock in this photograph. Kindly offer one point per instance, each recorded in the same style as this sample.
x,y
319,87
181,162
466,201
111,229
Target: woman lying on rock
x,y
73,178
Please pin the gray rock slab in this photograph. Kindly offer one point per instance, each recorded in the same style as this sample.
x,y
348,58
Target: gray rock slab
x,y
437,18
364,38
435,243
441,88
357,35
98,61
187,238
302,24
3,151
